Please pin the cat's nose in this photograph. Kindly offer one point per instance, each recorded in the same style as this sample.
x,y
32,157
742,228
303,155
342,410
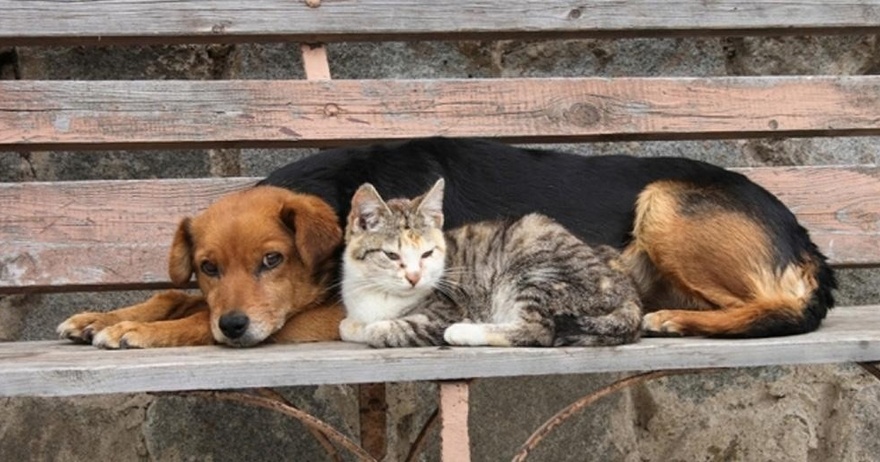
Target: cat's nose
x,y
413,278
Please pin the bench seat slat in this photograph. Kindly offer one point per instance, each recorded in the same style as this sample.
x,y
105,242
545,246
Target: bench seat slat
x,y
64,236
57,368
124,21
37,115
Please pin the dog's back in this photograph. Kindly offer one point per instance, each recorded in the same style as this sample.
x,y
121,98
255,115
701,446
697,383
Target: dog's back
x,y
593,196
601,199
488,180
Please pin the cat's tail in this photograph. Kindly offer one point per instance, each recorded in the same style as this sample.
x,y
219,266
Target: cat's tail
x,y
620,326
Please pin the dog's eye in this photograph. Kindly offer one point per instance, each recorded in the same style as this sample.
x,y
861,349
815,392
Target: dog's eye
x,y
391,255
271,260
209,269
428,254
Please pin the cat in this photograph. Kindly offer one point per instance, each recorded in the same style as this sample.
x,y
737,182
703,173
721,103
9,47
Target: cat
x,y
525,282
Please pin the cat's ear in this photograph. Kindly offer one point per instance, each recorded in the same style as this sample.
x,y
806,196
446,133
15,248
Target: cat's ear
x,y
366,207
431,204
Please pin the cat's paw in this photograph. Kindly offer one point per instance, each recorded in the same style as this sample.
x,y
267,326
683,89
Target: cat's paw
x,y
82,327
352,331
466,334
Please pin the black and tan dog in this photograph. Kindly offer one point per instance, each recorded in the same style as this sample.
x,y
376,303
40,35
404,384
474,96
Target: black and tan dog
x,y
713,253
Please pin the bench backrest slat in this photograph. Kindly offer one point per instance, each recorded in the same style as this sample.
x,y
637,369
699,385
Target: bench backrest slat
x,y
39,22
83,235
840,206
115,234
38,115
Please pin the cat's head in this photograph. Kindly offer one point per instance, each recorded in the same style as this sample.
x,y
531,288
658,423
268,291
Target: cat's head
x,y
398,245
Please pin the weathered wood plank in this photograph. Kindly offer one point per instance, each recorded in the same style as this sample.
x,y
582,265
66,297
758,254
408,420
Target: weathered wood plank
x,y
116,234
53,368
51,21
92,212
840,206
150,114
455,443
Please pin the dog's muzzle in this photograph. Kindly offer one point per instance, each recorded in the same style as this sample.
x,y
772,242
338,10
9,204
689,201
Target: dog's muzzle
x,y
234,324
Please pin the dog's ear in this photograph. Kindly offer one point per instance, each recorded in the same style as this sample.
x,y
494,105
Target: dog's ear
x,y
366,209
180,264
317,234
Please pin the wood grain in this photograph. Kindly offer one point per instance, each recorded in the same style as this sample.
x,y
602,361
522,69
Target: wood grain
x,y
56,368
66,236
28,22
38,115
840,206
115,234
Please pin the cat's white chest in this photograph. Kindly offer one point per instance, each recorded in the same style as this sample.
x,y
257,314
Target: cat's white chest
x,y
367,307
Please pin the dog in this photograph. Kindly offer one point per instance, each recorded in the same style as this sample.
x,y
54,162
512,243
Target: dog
x,y
264,258
711,252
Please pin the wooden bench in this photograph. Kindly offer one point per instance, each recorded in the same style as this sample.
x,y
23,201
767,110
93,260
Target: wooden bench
x,y
113,235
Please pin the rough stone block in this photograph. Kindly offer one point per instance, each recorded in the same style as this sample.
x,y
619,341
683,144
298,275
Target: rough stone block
x,y
73,429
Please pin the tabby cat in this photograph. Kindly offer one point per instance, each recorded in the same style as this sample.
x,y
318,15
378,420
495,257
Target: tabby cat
x,y
527,282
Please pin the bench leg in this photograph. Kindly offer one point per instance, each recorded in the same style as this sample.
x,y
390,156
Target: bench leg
x,y
871,368
373,409
455,443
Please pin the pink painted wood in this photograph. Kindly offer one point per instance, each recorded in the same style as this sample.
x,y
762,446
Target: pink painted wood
x,y
454,437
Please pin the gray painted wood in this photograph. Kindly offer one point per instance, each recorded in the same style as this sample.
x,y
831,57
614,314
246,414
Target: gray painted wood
x,y
42,21
57,368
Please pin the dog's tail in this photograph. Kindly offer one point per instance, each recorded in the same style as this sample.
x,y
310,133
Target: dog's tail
x,y
781,313
725,259
795,301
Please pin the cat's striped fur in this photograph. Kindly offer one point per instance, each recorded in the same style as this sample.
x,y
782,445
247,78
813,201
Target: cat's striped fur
x,y
525,282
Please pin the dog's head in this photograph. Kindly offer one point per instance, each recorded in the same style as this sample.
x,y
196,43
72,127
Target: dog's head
x,y
260,257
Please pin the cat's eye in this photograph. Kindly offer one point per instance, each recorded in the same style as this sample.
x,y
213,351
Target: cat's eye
x,y
209,269
391,255
271,260
428,254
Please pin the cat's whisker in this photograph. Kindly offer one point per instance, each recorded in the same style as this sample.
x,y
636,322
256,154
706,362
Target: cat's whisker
x,y
449,284
455,273
365,287
449,293
332,287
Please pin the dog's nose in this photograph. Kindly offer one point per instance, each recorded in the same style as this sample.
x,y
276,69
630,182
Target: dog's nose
x,y
234,324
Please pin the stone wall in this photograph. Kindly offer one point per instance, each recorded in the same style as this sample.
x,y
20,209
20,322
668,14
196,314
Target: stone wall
x,y
813,413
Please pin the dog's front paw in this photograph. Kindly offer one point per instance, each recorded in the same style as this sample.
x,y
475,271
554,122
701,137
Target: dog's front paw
x,y
465,334
126,334
82,327
662,324
352,331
